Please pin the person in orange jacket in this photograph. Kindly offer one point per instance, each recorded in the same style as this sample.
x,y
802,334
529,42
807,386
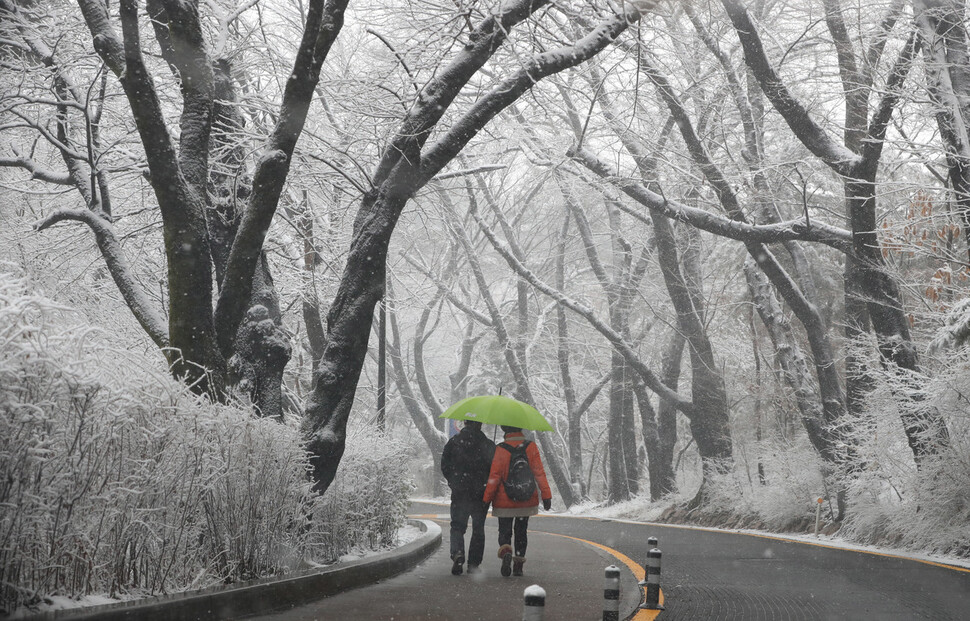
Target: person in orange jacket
x,y
513,515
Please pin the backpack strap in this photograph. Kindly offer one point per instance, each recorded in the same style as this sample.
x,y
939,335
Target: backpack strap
x,y
511,449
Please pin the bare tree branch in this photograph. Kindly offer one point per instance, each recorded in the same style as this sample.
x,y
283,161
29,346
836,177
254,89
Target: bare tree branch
x,y
719,225
589,315
36,172
134,296
813,136
323,24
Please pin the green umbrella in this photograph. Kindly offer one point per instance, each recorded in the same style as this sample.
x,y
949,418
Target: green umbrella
x,y
498,410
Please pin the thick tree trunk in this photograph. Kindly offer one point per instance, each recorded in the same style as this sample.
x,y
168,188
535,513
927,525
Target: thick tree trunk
x,y
262,349
709,423
673,352
348,329
620,393
574,436
178,191
926,432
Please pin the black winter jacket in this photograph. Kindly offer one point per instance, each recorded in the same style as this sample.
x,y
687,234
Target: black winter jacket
x,y
465,462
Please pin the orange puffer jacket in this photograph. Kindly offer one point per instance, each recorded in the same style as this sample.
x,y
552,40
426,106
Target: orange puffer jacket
x,y
495,491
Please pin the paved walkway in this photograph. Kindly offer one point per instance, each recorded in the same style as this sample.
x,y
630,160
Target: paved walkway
x,y
429,592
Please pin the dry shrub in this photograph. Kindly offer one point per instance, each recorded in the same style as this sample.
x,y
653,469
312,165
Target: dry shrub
x,y
891,501
369,497
793,481
115,479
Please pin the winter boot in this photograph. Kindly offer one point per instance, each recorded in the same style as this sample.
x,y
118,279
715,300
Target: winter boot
x,y
505,553
459,560
517,563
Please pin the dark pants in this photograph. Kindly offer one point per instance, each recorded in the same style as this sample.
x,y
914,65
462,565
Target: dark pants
x,y
461,510
521,527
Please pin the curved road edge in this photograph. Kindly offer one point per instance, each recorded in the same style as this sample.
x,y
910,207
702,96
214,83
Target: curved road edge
x,y
267,594
631,599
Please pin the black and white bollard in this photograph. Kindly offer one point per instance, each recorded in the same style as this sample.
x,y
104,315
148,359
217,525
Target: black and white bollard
x,y
535,603
611,594
653,581
651,544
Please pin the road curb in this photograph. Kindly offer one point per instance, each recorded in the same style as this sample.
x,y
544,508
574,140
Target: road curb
x,y
631,595
265,595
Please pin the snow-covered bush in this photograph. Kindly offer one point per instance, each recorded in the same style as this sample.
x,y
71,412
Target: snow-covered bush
x,y
786,498
115,479
368,499
891,501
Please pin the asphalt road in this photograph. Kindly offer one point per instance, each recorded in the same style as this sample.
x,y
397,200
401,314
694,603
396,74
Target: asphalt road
x,y
706,575
725,576
570,571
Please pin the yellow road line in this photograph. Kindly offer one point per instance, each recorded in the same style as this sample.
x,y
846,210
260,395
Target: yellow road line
x,y
633,566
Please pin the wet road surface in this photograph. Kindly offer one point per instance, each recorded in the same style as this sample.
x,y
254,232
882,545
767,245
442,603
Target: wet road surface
x,y
706,575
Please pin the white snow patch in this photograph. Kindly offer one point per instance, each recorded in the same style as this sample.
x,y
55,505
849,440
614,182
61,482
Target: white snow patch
x,y
60,602
407,534
535,591
434,500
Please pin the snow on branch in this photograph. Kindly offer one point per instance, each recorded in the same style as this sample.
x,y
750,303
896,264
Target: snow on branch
x,y
836,156
36,172
509,90
476,315
615,338
876,134
712,223
141,307
956,328
470,171
438,94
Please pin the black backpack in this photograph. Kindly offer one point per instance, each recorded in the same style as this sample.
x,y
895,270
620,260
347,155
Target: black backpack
x,y
520,483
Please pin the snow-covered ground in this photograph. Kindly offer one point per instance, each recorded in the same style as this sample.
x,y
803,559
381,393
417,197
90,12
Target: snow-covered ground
x,y
405,535
58,602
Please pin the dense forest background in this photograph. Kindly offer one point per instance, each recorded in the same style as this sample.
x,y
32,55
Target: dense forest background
x,y
722,246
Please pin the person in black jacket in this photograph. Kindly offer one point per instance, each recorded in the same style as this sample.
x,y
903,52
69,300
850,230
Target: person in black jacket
x,y
465,462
